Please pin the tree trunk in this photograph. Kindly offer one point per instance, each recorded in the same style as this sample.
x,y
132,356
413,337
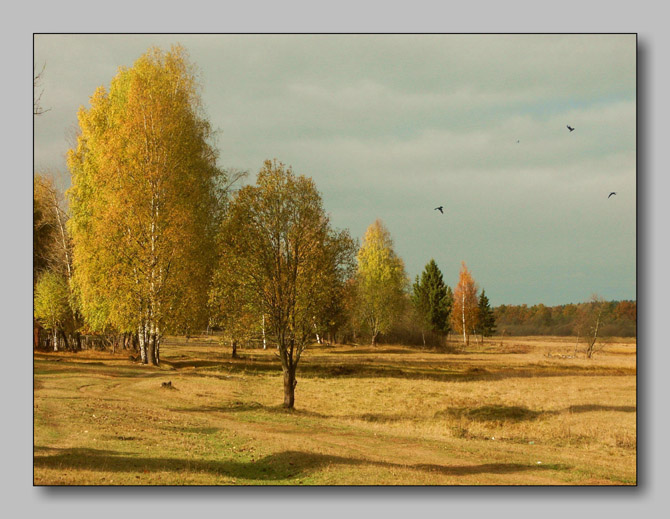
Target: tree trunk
x,y
153,347
142,339
55,336
234,342
151,351
289,387
265,345
66,344
423,337
465,338
36,336
592,342
157,348
374,338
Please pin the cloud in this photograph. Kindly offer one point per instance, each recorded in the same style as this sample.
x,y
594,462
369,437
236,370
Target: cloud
x,y
392,125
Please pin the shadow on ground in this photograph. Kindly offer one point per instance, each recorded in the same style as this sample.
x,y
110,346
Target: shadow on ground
x,y
275,467
446,371
494,413
587,408
487,413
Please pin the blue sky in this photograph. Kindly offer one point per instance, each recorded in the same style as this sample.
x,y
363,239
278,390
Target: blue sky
x,y
392,126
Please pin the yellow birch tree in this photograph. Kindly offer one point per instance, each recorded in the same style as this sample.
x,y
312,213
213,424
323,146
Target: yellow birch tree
x,y
143,201
380,280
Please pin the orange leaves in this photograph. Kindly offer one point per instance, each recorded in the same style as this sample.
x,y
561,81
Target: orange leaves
x,y
465,312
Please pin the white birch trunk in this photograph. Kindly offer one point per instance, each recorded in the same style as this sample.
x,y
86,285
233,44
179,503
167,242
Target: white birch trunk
x,y
62,234
157,345
143,344
265,344
463,317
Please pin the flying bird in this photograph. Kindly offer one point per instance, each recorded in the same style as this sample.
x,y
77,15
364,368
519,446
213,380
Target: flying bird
x,y
612,193
439,209
571,128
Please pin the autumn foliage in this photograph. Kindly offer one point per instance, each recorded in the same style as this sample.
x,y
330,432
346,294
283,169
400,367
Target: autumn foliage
x,y
381,281
144,180
153,242
465,311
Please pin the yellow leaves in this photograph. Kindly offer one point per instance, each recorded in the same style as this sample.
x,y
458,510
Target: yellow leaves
x,y
381,278
142,197
51,304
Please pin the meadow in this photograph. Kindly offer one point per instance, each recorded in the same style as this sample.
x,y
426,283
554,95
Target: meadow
x,y
518,412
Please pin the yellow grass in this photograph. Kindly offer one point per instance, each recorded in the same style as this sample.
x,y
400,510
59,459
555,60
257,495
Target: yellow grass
x,y
494,415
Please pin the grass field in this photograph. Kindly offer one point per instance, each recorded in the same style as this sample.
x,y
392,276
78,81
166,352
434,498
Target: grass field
x,y
494,415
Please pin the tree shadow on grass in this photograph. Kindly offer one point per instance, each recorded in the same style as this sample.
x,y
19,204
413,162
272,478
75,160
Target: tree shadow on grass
x,y
594,407
487,413
382,350
503,413
450,371
494,413
446,372
241,407
285,465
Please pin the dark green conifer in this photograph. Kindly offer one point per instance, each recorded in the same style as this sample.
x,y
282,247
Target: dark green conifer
x,y
432,298
487,320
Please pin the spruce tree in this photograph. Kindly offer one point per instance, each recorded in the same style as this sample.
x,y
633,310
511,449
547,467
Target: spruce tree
x,y
487,321
432,298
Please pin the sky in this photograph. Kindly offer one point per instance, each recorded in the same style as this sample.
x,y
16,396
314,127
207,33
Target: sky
x,y
392,126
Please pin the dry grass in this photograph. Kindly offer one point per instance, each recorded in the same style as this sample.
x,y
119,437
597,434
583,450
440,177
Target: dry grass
x,y
495,415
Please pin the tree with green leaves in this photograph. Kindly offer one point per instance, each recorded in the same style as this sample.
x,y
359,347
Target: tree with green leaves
x,y
486,324
52,248
281,262
432,299
381,281
144,200
52,303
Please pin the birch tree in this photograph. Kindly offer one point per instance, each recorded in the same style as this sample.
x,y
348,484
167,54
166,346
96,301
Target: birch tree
x,y
465,312
52,304
594,313
52,248
380,280
143,196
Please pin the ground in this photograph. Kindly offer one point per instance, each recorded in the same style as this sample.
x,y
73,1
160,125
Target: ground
x,y
521,412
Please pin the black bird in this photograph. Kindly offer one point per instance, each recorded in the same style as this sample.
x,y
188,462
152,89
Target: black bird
x,y
612,193
571,128
439,209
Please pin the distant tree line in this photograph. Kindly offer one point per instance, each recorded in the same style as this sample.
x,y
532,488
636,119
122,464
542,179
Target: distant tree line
x,y
618,319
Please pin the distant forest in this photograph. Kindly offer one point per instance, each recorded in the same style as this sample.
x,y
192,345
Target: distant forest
x,y
619,319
